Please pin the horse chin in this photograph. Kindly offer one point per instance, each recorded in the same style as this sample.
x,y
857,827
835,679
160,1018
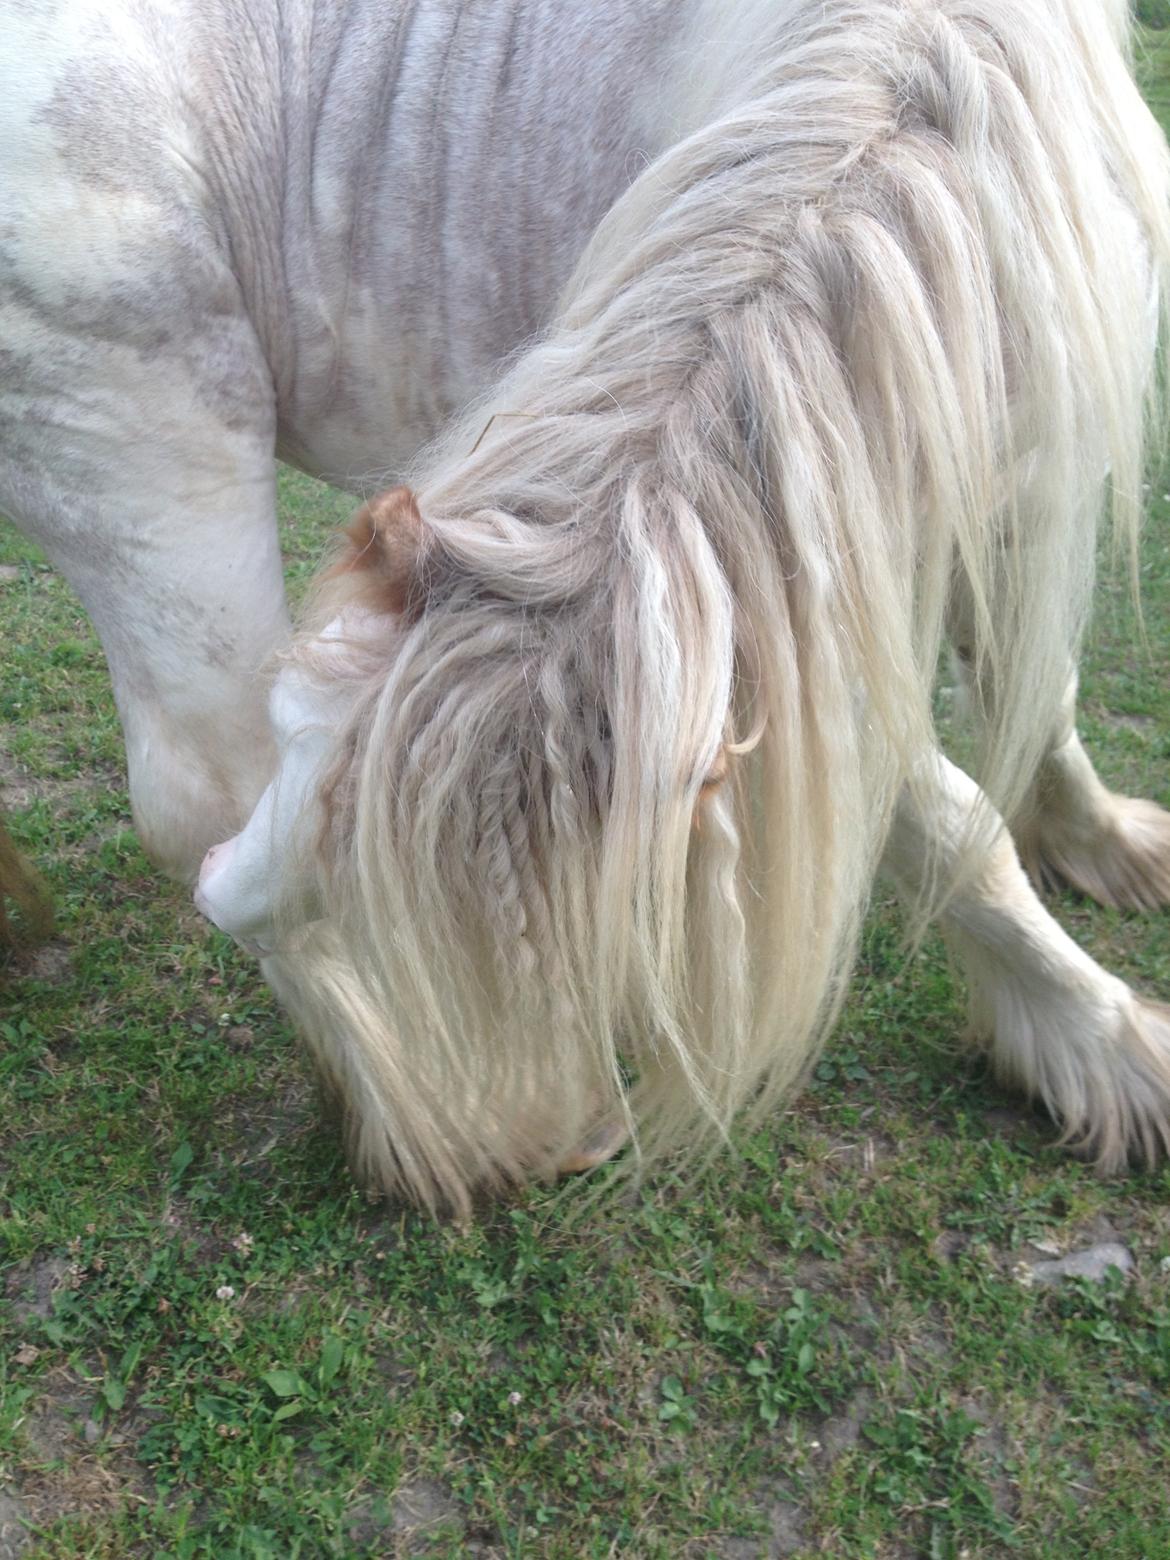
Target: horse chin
x,y
253,946
217,906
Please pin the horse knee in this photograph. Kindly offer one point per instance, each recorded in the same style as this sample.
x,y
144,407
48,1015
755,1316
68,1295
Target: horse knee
x,y
186,797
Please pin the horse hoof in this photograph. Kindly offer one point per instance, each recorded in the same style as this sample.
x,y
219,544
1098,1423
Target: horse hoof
x,y
1123,861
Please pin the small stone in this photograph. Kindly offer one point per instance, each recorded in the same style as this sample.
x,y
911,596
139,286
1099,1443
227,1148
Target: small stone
x,y
92,1432
1093,1263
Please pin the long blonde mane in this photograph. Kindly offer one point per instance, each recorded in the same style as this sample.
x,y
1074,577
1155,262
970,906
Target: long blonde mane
x,y
863,346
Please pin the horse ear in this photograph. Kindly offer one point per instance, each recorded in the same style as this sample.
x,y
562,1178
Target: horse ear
x,y
387,541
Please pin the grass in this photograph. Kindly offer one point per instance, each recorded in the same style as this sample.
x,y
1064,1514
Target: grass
x,y
212,1345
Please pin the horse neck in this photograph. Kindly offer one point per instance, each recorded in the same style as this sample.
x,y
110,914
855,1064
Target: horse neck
x,y
423,179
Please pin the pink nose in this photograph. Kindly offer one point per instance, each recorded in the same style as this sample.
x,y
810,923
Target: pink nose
x,y
218,856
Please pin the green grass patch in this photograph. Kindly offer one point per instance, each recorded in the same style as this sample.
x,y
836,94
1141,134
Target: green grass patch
x,y
1152,13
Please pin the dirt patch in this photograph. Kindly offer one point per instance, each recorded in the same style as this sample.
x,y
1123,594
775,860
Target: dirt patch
x,y
770,1284
395,1376
949,1245
73,1469
788,1536
19,789
266,1120
818,1275
408,1519
423,1503
726,1548
52,965
1144,724
31,1286
1005,1125
867,1154
841,1432
14,1535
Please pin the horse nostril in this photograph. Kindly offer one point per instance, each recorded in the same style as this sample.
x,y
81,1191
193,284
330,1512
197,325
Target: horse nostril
x,y
218,858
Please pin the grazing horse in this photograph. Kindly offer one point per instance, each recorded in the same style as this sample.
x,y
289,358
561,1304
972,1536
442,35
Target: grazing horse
x,y
727,355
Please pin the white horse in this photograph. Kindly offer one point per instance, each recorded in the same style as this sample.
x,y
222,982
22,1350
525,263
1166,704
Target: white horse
x,y
831,326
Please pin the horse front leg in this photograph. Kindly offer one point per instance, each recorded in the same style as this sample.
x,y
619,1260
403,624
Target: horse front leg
x,y
1054,1022
159,509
